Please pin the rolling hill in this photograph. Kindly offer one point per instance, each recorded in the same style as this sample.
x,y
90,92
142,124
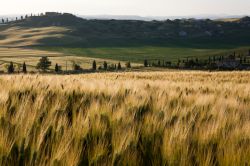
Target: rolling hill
x,y
75,31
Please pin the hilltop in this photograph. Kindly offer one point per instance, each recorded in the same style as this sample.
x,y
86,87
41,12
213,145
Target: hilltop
x,y
76,31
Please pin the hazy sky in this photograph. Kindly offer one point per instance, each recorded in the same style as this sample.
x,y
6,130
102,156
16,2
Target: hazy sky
x,y
128,7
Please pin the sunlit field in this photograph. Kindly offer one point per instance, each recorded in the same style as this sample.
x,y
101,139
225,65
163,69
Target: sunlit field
x,y
31,57
137,118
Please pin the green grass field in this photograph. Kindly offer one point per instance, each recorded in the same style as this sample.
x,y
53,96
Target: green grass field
x,y
138,54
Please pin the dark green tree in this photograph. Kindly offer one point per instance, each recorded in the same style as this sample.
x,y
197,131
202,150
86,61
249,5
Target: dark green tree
x,y
44,63
159,63
105,65
57,68
197,60
24,68
178,62
119,67
145,63
94,65
214,58
11,68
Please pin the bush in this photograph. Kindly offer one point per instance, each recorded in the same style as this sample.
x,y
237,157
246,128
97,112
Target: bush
x,y
128,65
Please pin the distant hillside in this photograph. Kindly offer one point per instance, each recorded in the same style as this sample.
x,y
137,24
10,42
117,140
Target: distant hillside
x,y
159,18
93,33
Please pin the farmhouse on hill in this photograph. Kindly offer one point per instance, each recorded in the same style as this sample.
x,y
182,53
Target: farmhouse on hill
x,y
52,14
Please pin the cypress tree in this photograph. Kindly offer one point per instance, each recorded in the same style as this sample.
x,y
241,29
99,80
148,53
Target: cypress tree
x,y
105,65
145,63
11,68
159,63
24,68
56,68
119,66
94,65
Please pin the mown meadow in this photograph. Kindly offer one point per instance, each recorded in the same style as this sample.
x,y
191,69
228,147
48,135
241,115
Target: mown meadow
x,y
136,118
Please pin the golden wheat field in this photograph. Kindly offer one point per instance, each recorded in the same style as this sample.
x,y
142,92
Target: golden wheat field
x,y
137,118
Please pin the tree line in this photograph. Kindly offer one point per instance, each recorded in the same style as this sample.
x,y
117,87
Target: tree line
x,y
23,17
232,61
44,65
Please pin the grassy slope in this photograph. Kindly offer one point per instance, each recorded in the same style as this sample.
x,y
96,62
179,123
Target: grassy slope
x,y
16,41
21,37
15,36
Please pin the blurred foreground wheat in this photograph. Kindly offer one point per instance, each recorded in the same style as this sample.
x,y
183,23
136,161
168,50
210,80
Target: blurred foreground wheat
x,y
154,118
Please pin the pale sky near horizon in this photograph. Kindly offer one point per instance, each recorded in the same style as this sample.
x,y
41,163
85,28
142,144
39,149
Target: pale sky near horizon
x,y
128,7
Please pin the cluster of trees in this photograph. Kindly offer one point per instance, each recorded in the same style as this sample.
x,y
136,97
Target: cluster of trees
x,y
214,62
44,65
11,68
118,66
7,20
105,66
159,63
233,61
